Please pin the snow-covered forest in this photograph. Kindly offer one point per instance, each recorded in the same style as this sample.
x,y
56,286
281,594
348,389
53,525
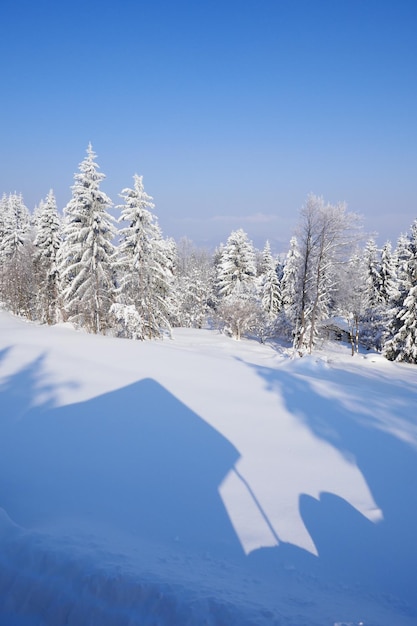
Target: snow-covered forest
x,y
120,276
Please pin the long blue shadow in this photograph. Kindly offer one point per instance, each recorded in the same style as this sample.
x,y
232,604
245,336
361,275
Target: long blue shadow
x,y
380,557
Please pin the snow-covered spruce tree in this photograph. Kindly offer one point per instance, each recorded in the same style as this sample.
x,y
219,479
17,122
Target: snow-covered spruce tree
x,y
14,224
402,346
238,306
144,268
36,213
389,292
326,235
388,276
16,269
5,219
236,269
87,250
289,290
402,255
47,243
5,227
372,273
194,284
269,291
373,320
269,284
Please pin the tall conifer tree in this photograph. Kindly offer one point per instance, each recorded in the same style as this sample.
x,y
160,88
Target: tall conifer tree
x,y
87,250
144,267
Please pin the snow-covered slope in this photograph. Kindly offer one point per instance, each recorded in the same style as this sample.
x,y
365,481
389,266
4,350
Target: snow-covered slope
x,y
201,480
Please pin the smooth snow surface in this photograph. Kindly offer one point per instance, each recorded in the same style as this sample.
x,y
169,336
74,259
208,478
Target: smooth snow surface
x,y
200,480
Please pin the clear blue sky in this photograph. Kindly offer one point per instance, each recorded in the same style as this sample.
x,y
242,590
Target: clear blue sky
x,y
232,110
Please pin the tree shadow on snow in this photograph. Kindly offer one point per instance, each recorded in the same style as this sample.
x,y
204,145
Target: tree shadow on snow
x,y
381,557
135,460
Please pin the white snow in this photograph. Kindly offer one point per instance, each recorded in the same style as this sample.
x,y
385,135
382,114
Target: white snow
x,y
201,480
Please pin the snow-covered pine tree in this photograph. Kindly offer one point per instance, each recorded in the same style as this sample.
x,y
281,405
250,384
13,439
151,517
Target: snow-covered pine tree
x,y
238,309
145,266
373,274
4,222
47,243
15,224
389,291
270,287
402,256
269,294
5,225
87,249
402,346
37,211
289,290
388,281
373,315
194,284
236,269
16,270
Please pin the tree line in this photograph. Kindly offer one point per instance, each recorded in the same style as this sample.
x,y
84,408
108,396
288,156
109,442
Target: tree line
x,y
123,277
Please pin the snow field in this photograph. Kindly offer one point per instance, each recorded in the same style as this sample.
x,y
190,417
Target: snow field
x,y
201,480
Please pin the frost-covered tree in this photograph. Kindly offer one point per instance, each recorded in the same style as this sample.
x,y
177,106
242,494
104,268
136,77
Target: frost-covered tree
x,y
238,315
238,305
402,345
236,269
3,218
270,289
14,224
16,270
351,299
268,302
194,284
144,262
372,321
37,212
289,290
87,249
372,274
326,234
388,276
403,256
381,294
47,243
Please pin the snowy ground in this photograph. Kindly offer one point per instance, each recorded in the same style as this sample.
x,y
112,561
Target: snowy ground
x,y
202,480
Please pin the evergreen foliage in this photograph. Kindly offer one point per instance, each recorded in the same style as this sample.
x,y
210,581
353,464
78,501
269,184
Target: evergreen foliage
x,y
144,263
87,250
136,284
236,269
47,244
16,263
402,345
238,308
269,284
194,285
